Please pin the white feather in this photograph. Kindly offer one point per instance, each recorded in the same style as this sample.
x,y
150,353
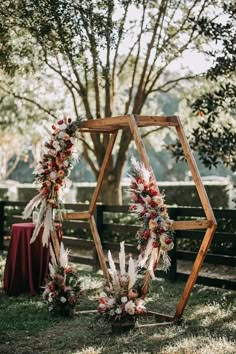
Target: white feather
x,y
48,225
36,231
33,204
132,273
63,256
152,261
40,221
42,211
146,174
111,263
122,258
166,260
135,163
143,258
52,271
113,272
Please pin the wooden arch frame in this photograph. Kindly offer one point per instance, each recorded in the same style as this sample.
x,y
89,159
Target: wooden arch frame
x,y
111,126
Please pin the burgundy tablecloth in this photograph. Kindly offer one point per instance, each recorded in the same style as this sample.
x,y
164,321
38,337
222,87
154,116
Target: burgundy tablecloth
x,y
27,264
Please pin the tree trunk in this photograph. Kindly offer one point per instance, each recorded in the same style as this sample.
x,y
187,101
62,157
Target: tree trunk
x,y
111,192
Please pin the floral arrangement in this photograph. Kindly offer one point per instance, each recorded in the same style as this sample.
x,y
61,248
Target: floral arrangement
x,y
63,287
155,237
122,297
51,172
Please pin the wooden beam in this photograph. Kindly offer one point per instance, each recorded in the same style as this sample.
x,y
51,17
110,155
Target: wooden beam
x,y
120,122
156,324
191,224
98,246
195,270
147,121
96,131
102,172
158,315
55,244
105,122
81,215
139,144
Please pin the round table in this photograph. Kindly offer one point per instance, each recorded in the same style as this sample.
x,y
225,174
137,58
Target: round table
x,y
27,264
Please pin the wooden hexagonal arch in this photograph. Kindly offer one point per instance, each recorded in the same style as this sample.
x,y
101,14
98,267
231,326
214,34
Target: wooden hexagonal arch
x,y
111,126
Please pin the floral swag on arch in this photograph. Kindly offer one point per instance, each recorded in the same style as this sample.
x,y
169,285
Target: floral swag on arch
x,y
57,160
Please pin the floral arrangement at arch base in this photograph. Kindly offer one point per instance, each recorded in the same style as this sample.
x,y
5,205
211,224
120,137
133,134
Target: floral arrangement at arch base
x,y
63,287
57,159
122,299
155,237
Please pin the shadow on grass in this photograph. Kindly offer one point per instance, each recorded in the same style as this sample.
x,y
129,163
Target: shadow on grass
x,y
26,326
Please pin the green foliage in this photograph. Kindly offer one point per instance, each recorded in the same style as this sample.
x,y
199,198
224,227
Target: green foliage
x,y
215,139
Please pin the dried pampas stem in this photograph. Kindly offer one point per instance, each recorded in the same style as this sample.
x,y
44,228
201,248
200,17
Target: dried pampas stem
x,y
132,273
122,258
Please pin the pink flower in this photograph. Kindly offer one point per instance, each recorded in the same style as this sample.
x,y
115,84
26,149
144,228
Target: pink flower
x,y
101,308
72,300
134,198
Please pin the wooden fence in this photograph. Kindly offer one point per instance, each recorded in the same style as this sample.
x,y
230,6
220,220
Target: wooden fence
x,y
115,224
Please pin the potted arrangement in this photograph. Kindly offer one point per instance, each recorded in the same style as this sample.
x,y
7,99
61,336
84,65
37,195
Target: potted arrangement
x,y
122,299
63,286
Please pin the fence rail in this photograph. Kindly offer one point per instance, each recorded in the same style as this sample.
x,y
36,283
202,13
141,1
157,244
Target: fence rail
x,y
78,237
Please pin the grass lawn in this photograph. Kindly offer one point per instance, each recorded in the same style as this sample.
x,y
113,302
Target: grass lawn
x,y
209,324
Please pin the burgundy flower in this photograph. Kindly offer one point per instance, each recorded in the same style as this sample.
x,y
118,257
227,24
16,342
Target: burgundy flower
x,y
69,144
153,204
168,241
146,234
153,192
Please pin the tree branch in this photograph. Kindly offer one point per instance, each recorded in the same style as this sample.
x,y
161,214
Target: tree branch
x,y
95,56
144,135
120,34
127,105
140,90
108,108
157,46
83,91
12,168
175,81
84,140
180,28
29,100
